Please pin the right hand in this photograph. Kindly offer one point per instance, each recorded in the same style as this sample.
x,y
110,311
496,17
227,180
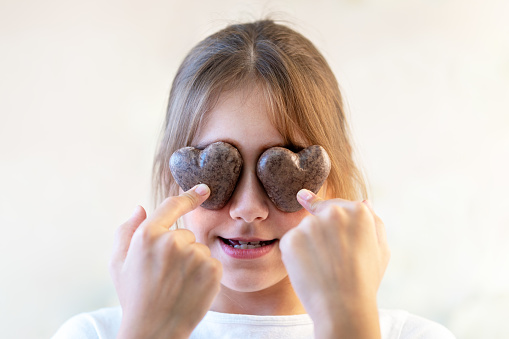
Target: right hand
x,y
165,280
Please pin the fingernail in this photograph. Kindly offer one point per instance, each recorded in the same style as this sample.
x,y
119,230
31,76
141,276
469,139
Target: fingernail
x,y
304,194
202,189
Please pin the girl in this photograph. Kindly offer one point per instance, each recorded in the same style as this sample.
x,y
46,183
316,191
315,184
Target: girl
x,y
313,273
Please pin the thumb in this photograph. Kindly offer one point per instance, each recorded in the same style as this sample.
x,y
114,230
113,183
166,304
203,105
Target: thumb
x,y
124,234
310,201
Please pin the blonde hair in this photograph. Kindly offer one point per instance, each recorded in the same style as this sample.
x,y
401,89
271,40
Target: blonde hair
x,y
301,91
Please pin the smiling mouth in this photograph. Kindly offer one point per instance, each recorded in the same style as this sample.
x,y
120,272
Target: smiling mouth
x,y
246,245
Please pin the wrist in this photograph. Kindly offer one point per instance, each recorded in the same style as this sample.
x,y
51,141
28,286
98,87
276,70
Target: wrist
x,y
134,330
359,320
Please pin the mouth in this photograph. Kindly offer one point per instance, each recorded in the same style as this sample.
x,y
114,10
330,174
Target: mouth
x,y
246,244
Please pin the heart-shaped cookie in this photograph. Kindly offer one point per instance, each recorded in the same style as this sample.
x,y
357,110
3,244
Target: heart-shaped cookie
x,y
283,173
218,166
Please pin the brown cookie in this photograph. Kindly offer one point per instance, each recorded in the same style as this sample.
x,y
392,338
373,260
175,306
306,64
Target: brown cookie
x,y
283,173
218,166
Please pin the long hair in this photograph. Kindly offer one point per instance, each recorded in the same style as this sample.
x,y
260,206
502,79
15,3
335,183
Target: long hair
x,y
301,91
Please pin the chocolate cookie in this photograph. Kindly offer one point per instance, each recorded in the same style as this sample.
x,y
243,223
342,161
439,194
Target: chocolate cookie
x,y
283,173
218,166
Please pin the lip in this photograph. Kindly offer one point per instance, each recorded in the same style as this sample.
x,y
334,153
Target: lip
x,y
249,253
248,239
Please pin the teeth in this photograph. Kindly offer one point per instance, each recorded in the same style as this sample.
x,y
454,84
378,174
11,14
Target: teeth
x,y
246,246
249,242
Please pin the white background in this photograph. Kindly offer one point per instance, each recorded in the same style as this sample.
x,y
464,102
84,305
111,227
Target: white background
x,y
83,88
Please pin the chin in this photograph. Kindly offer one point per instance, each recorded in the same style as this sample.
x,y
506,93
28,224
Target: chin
x,y
250,281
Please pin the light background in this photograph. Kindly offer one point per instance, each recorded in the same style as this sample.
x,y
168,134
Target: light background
x,y
83,87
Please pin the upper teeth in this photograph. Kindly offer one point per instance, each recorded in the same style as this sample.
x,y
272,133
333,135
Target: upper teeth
x,y
244,246
248,244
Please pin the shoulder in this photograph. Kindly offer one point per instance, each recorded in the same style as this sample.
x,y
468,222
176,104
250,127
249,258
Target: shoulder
x,y
101,324
404,325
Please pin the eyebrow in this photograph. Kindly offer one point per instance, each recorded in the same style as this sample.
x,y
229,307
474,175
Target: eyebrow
x,y
205,143
290,146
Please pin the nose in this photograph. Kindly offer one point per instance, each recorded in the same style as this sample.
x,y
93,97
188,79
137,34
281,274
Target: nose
x,y
249,201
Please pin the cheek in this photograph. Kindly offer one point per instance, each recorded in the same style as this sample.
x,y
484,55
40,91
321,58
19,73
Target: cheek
x,y
202,223
291,220
193,221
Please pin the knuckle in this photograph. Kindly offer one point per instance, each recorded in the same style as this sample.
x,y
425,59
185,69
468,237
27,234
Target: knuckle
x,y
189,199
143,235
196,256
218,267
316,205
182,202
311,227
204,249
121,231
171,238
294,237
170,244
333,212
356,210
359,208
307,221
207,265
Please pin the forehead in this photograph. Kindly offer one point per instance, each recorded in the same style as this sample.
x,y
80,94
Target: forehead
x,y
240,117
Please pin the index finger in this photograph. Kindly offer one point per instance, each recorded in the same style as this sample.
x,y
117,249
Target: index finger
x,y
380,226
314,204
173,208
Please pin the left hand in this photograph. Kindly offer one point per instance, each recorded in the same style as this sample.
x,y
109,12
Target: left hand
x,y
336,259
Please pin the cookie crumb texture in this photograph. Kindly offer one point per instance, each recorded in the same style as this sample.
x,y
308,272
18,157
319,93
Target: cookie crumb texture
x,y
218,166
283,173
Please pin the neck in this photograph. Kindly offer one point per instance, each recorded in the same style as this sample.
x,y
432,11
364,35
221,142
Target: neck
x,y
279,299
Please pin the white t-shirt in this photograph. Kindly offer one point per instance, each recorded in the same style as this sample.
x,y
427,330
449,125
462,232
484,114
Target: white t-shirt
x,y
395,324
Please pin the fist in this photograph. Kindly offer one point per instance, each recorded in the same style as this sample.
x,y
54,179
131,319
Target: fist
x,y
165,280
336,258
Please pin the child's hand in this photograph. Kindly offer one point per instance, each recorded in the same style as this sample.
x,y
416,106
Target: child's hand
x,y
165,281
336,259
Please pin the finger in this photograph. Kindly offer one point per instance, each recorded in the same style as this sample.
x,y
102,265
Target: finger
x,y
182,235
124,234
381,232
314,204
175,240
202,248
173,208
187,237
